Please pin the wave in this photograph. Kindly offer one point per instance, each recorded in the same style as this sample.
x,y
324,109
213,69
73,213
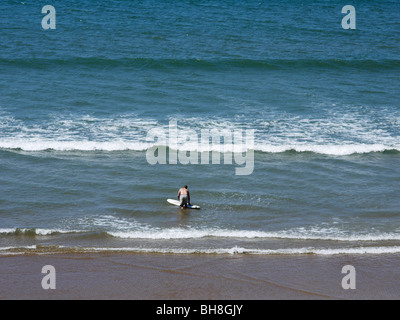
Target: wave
x,y
336,134
146,233
26,232
112,146
241,250
330,149
179,234
216,251
151,63
77,145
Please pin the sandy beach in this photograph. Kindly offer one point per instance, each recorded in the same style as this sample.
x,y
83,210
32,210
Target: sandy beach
x,y
198,277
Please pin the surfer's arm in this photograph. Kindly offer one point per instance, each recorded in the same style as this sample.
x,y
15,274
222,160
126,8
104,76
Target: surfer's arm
x,y
188,196
179,193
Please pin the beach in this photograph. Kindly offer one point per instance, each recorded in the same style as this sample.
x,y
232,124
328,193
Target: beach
x,y
282,118
197,277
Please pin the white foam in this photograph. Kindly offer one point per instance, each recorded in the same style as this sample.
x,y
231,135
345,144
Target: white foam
x,y
7,230
209,251
76,145
36,231
328,149
331,234
178,233
337,133
131,229
118,145
241,250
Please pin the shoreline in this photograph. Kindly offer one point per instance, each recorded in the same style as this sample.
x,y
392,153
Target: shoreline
x,y
151,276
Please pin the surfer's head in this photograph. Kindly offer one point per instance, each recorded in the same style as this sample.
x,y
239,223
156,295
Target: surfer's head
x,y
185,187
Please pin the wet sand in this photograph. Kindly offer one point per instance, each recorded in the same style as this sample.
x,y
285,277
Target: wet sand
x,y
199,277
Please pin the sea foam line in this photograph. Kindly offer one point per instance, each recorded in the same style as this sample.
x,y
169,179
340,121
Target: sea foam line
x,y
241,250
111,146
148,233
177,233
207,251
35,231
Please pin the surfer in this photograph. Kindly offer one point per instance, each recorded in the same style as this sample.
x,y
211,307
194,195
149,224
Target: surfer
x,y
184,197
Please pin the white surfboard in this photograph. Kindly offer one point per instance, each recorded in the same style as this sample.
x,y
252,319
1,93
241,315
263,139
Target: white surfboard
x,y
176,203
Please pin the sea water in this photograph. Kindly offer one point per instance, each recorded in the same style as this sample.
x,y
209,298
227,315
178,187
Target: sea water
x,y
77,104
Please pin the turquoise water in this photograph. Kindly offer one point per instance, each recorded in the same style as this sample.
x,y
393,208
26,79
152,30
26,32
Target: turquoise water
x,y
77,104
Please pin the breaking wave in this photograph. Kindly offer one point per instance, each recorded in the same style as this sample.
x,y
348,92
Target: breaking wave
x,y
148,233
217,251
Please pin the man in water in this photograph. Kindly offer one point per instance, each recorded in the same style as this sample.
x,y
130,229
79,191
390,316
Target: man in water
x,y
184,197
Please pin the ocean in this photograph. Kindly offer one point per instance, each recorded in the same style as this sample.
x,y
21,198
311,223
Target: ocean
x,y
77,104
